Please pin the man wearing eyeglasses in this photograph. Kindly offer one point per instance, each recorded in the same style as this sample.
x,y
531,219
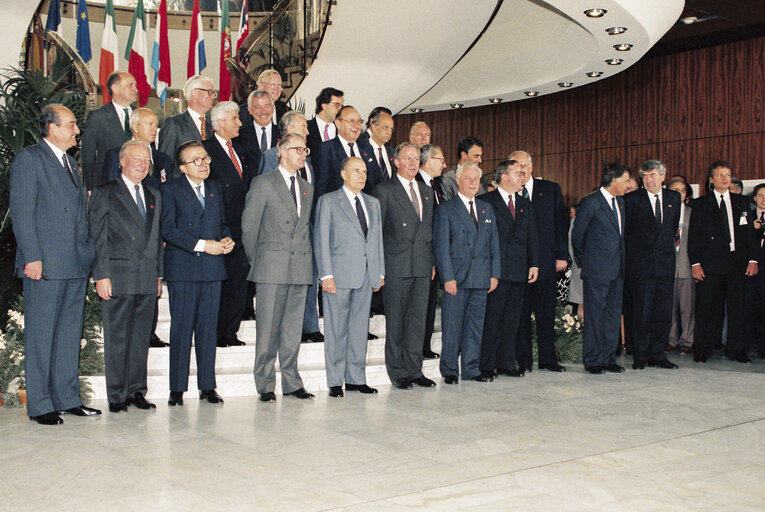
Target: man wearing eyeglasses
x,y
196,234
260,134
194,124
275,235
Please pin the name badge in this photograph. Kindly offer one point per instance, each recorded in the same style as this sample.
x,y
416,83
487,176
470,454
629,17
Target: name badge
x,y
743,221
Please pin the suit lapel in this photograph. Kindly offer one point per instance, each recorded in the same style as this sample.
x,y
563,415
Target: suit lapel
x,y
464,215
502,211
150,209
350,211
125,197
609,212
58,172
283,192
402,196
189,193
112,113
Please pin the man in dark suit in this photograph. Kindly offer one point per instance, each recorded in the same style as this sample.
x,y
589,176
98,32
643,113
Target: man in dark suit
x,y
374,114
598,242
382,129
755,285
124,224
194,124
469,150
344,145
407,218
322,127
431,166
108,126
349,254
193,225
260,134
270,81
651,219
275,234
551,221
466,249
519,253
722,249
54,254
229,168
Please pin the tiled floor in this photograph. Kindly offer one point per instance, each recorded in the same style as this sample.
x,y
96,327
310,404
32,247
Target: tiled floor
x,y
690,439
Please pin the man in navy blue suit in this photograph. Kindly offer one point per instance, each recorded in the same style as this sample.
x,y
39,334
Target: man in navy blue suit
x,y
193,224
598,242
54,253
466,248
260,134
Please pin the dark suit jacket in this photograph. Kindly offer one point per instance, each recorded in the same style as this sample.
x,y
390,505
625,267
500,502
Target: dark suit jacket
x,y
246,118
128,248
103,131
48,215
437,187
518,245
407,241
249,139
388,155
178,129
314,139
709,246
184,223
598,245
650,247
331,156
162,166
552,226
234,188
464,253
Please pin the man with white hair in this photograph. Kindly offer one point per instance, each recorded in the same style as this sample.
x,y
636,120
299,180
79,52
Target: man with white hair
x,y
259,134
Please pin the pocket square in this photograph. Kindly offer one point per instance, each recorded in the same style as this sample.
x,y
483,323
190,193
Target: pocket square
x,y
488,220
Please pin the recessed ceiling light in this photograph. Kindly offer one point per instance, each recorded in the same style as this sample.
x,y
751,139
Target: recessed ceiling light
x,y
565,84
495,100
689,20
416,110
594,74
612,31
457,105
595,13
624,47
614,62
531,93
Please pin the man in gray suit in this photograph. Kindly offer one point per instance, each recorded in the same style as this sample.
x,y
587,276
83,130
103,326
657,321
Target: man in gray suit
x,y
53,257
349,256
684,297
275,234
124,225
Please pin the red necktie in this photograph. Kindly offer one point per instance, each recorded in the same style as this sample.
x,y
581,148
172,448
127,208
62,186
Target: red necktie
x,y
234,159
326,132
202,128
511,206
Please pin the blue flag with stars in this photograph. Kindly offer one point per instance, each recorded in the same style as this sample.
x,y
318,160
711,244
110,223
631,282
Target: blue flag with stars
x,y
83,31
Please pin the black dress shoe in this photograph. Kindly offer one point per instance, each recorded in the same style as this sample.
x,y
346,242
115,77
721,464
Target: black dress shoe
x,y
402,384
700,358
424,382
615,368
371,336
301,393
157,343
361,388
664,363
83,411
222,343
138,400
211,396
249,314
742,358
268,397
313,337
510,373
451,379
553,367
429,354
488,375
336,391
235,342
118,407
49,418
595,370
176,398
639,364
480,378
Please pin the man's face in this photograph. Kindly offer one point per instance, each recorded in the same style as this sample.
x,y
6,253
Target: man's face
x,y
469,181
473,155
735,188
526,165
619,185
146,128
382,131
513,181
262,110
196,171
354,174
349,124
759,198
333,107
272,84
652,181
125,90
421,136
203,96
681,189
632,185
408,162
293,157
63,135
135,163
435,165
228,127
298,125
721,179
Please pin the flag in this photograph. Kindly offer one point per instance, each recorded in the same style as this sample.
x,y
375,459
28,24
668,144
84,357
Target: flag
x,y
224,83
53,22
160,57
244,26
83,31
137,55
108,62
197,61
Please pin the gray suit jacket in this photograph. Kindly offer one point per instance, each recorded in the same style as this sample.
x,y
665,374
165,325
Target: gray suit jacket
x,y
178,129
103,131
276,240
682,263
128,248
339,243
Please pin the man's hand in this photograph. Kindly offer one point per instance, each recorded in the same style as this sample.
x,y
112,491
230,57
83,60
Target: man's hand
x,y
560,265
533,274
752,268
104,288
698,273
33,270
228,244
328,285
382,283
450,287
433,274
159,287
493,284
214,248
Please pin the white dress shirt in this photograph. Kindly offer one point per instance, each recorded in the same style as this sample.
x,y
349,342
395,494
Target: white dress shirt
x,y
195,117
729,209
465,201
608,197
286,175
200,246
321,124
131,188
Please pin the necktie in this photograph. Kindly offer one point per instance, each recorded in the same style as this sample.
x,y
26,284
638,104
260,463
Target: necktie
x,y
263,140
616,213
384,166
67,169
415,202
200,196
203,127
350,146
436,193
511,206
525,193
234,159
128,131
361,216
303,174
326,132
292,189
762,222
724,218
472,214
657,208
139,202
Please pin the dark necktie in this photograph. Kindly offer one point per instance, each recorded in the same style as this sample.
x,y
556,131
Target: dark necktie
x,y
233,158
384,166
525,193
292,189
303,174
350,145
436,193
657,208
724,218
616,214
203,127
200,196
128,131
263,140
361,216
139,202
415,202
511,206
65,161
472,214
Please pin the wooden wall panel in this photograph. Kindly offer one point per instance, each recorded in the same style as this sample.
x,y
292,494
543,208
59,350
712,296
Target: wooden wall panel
x,y
687,109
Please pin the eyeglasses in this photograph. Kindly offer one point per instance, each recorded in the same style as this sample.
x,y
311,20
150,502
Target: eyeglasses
x,y
336,104
198,160
300,150
210,92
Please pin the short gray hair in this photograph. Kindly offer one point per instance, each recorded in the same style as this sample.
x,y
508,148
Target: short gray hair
x,y
194,82
219,111
135,115
650,165
258,93
427,151
460,168
131,143
503,168
404,145
284,144
287,119
417,125
520,152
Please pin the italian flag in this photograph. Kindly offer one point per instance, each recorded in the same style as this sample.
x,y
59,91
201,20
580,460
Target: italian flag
x,y
138,56
108,60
